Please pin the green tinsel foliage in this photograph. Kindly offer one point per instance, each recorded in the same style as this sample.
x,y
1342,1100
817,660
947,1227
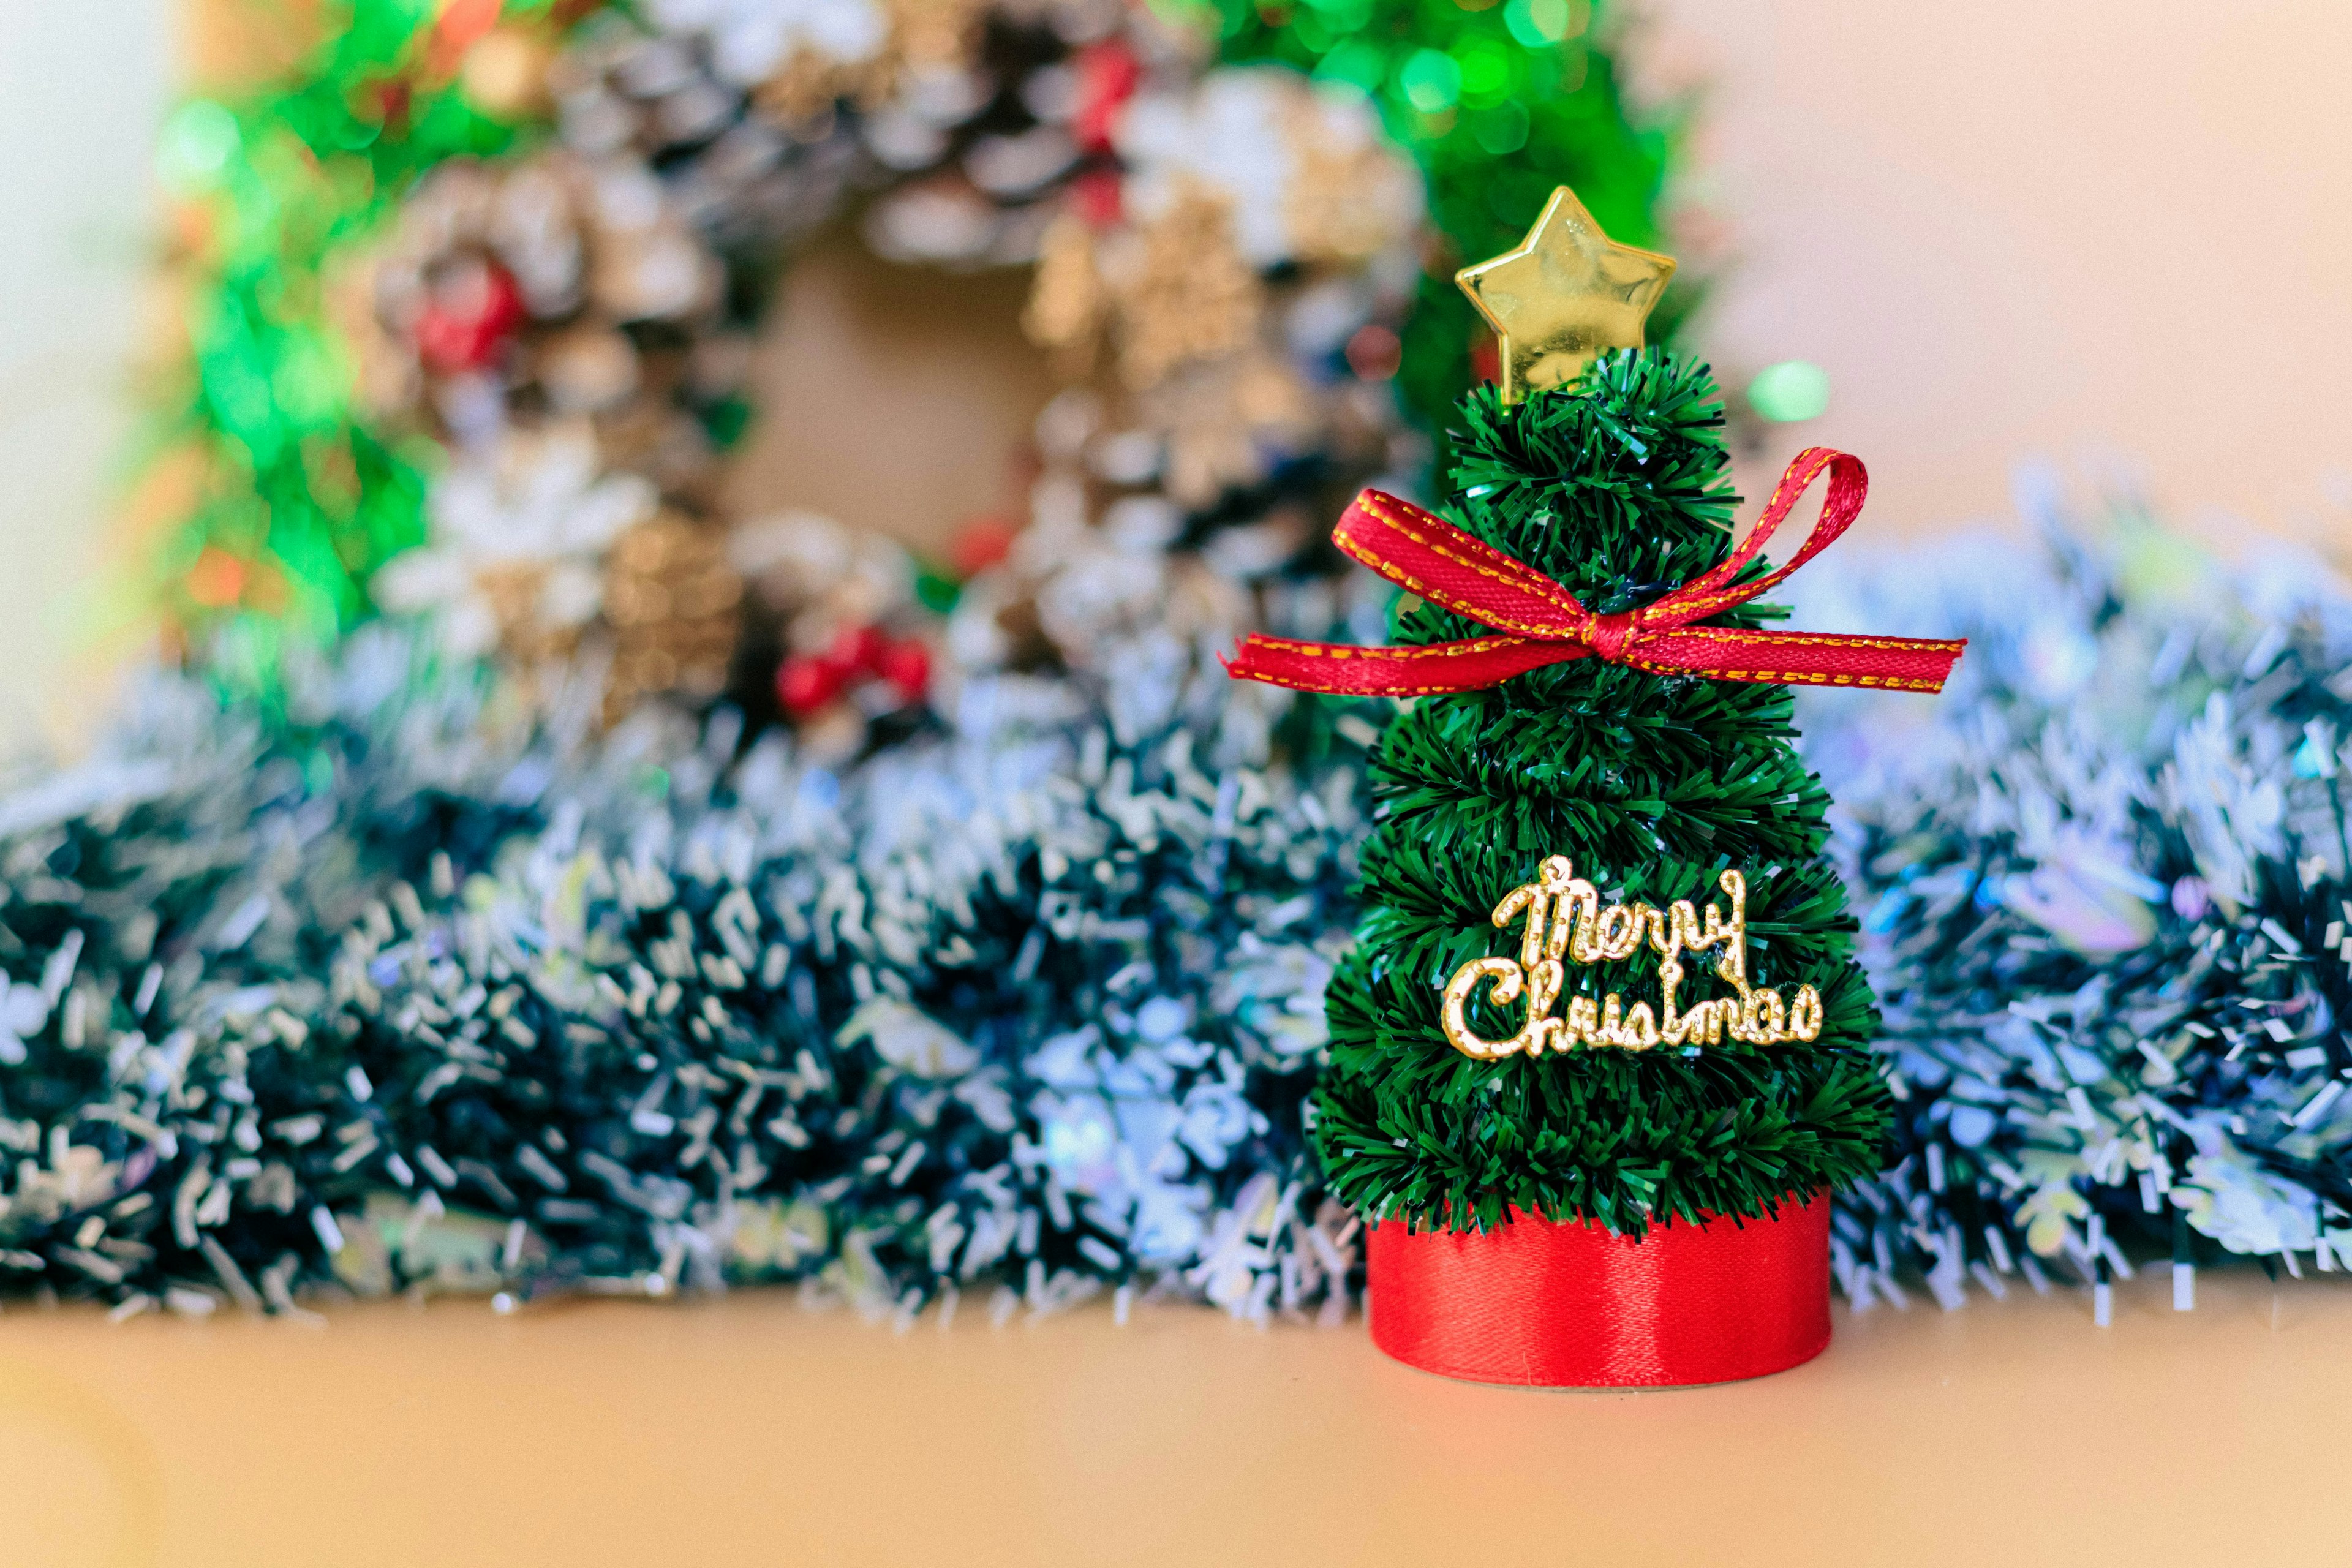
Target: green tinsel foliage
x,y
1500,104
721,1052
300,500
1651,785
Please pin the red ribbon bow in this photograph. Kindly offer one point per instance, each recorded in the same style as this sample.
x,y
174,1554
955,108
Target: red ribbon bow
x,y
1541,623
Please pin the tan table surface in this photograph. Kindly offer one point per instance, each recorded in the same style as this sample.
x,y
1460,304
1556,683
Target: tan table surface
x,y
747,1430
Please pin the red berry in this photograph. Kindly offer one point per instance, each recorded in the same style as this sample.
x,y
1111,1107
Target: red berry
x,y
1109,74
469,318
906,665
1095,196
855,650
804,684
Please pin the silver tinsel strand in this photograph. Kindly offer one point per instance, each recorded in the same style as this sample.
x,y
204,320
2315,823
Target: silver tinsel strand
x,y
2103,885
383,998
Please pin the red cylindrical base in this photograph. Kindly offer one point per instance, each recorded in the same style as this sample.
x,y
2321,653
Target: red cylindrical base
x,y
1550,1305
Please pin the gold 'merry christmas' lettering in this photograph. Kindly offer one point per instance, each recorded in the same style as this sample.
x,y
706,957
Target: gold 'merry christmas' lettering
x,y
1565,921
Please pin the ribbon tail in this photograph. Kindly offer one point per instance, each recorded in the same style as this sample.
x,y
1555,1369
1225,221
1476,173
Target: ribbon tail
x,y
1347,671
1799,658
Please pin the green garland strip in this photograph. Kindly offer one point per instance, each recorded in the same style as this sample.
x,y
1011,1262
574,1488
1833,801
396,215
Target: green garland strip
x,y
392,998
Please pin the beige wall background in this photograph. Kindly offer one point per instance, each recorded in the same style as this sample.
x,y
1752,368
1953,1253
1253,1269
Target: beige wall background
x,y
2115,236
2107,235
82,88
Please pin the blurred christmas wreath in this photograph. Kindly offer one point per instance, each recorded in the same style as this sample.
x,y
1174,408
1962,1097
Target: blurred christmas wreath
x,y
476,293
496,951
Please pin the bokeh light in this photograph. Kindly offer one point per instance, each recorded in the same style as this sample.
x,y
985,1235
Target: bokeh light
x,y
196,144
1789,392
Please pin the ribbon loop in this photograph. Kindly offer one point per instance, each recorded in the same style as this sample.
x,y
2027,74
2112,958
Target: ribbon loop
x,y
1539,622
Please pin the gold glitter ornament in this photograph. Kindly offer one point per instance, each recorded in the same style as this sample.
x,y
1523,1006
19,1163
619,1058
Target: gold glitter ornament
x,y
1188,294
672,602
800,94
1346,198
930,37
933,34
587,369
1220,417
1568,292
529,638
1565,922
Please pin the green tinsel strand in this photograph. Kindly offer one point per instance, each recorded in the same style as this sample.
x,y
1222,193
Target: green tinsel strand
x,y
2107,904
397,994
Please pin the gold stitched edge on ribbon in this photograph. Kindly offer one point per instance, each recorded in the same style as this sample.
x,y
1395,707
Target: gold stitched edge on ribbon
x,y
1789,678
1826,639
1345,650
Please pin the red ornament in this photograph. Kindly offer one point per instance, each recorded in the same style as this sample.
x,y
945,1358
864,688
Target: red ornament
x,y
1108,73
468,319
1546,1304
805,683
856,651
905,667
1540,623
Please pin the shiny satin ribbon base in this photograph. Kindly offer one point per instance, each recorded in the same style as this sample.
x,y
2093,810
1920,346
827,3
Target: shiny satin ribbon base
x,y
1543,1304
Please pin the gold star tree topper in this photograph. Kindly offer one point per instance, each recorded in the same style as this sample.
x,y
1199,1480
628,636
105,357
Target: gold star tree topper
x,y
1565,294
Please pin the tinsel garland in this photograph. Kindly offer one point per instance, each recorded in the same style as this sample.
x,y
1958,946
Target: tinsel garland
x,y
396,997
386,989
2105,905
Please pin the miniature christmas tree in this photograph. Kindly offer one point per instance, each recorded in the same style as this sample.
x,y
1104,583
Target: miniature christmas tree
x,y
1656,788
1597,753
